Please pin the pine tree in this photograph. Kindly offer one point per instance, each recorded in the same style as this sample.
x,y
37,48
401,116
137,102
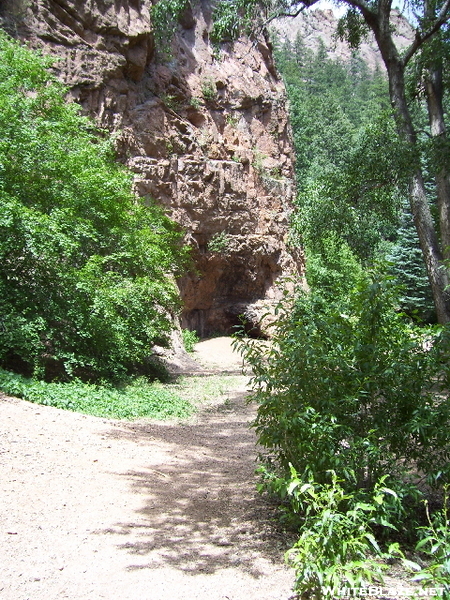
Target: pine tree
x,y
408,269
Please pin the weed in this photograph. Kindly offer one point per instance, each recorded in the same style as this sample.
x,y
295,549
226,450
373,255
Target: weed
x,y
258,161
170,150
336,544
165,15
275,173
171,101
195,102
218,243
209,90
232,120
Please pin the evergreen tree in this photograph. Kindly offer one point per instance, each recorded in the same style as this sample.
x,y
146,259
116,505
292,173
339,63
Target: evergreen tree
x,y
408,269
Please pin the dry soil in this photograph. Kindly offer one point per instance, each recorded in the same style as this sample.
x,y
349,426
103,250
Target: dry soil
x,y
98,509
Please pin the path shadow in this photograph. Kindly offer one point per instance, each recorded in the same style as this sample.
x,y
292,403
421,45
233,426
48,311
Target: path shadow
x,y
201,509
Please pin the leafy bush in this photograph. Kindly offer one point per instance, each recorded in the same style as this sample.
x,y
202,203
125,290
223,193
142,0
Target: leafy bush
x,y
209,90
351,388
190,338
85,268
219,242
165,15
137,399
336,547
333,269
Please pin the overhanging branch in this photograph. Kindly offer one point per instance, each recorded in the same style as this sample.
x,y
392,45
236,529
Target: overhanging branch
x,y
420,39
303,5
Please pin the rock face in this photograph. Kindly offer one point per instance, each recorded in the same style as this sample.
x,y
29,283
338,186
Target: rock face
x,y
205,132
317,27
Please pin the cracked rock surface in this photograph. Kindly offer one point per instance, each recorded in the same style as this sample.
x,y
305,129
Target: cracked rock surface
x,y
205,132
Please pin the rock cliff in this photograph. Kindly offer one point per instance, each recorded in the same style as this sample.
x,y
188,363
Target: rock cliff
x,y
318,27
205,132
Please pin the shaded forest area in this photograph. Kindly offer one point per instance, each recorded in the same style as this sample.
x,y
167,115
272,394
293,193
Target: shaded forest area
x,y
353,396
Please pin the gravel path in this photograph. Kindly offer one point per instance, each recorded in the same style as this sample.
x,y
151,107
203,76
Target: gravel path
x,y
92,508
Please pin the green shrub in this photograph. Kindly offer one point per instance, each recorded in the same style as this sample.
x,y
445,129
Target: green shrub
x,y
333,270
86,271
350,387
234,17
209,90
190,338
218,243
336,548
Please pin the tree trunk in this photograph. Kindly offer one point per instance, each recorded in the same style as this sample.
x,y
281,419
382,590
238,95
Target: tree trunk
x,y
437,273
420,208
434,93
428,238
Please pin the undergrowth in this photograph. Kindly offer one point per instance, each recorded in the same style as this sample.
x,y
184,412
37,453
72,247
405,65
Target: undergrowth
x,y
136,399
353,421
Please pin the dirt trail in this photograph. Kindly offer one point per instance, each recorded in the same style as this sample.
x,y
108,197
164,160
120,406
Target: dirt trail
x,y
92,508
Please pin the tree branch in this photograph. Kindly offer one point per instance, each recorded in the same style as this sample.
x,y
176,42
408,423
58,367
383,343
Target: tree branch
x,y
443,17
304,4
361,4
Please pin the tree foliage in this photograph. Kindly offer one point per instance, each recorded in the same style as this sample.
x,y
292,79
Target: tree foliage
x,y
431,20
165,16
235,17
349,386
351,170
85,284
354,170
408,269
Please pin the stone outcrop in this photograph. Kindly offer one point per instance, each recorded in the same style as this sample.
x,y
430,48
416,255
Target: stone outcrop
x,y
205,132
318,27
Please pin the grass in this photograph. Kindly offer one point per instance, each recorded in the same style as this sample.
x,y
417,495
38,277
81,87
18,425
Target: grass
x,y
137,399
201,390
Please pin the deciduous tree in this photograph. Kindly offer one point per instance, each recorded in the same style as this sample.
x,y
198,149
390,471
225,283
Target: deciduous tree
x,y
85,286
430,18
